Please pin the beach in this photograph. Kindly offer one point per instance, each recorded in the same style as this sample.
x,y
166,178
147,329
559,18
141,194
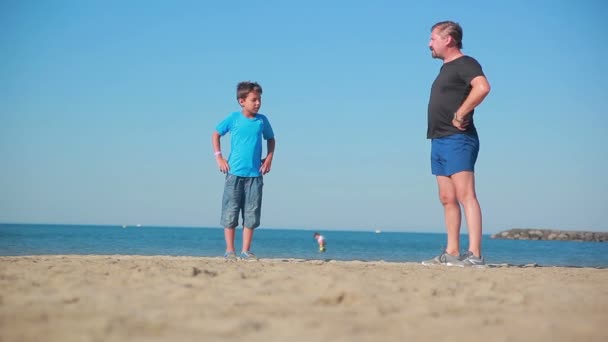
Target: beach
x,y
163,298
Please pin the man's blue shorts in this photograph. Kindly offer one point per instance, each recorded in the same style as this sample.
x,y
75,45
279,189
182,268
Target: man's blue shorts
x,y
242,195
454,153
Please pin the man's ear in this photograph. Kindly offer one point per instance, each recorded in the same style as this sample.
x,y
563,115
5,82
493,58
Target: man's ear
x,y
449,40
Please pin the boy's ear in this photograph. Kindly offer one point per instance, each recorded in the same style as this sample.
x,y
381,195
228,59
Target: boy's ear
x,y
241,101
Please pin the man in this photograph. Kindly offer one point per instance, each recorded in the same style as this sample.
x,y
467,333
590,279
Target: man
x,y
460,87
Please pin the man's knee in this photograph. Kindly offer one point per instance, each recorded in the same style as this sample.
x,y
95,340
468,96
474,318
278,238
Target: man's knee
x,y
466,196
447,198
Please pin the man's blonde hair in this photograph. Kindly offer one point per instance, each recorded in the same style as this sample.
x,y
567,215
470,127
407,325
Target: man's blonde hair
x,y
452,29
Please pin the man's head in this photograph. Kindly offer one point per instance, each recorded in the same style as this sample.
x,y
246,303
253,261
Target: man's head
x,y
446,37
249,95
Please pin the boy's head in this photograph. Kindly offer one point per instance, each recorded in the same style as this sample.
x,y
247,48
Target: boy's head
x,y
316,234
249,95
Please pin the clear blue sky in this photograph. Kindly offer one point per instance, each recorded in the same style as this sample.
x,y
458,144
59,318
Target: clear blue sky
x,y
107,109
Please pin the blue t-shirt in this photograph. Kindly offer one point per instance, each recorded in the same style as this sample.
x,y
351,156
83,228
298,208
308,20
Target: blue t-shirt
x,y
246,136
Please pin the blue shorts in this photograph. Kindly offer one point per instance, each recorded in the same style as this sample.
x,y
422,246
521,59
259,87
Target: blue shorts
x,y
454,153
242,195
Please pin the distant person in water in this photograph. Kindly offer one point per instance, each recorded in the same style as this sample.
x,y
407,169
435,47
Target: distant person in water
x,y
321,241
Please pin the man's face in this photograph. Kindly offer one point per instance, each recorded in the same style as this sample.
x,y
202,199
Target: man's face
x,y
252,102
438,44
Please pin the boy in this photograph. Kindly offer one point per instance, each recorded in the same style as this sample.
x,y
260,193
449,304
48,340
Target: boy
x,y
244,168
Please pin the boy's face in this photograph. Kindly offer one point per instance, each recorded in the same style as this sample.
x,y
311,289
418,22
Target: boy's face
x,y
252,103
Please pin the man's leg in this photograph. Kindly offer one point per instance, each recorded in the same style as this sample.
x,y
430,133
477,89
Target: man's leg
x,y
451,210
464,183
440,160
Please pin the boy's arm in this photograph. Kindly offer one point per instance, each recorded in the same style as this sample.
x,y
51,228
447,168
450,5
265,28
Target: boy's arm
x,y
270,144
267,162
221,162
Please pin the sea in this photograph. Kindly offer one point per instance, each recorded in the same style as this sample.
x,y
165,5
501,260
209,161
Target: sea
x,y
47,239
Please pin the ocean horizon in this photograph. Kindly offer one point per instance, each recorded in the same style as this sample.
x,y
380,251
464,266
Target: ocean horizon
x,y
18,239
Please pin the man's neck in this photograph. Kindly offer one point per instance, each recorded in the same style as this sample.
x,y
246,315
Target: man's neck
x,y
452,55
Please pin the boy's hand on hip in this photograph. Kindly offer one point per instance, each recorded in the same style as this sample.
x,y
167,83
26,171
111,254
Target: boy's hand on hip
x,y
222,164
266,164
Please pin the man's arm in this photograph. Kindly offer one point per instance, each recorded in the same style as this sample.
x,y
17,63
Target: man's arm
x,y
480,88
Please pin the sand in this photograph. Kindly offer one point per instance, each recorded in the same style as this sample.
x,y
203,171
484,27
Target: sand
x,y
161,298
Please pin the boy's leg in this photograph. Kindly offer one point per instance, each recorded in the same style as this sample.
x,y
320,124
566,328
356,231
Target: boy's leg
x,y
247,238
229,234
231,206
252,209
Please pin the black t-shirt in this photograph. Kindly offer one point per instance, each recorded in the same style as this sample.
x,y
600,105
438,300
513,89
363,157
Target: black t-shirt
x,y
450,89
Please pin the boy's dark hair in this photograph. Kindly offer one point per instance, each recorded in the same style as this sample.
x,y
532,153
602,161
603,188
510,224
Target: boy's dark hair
x,y
315,234
452,29
244,88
